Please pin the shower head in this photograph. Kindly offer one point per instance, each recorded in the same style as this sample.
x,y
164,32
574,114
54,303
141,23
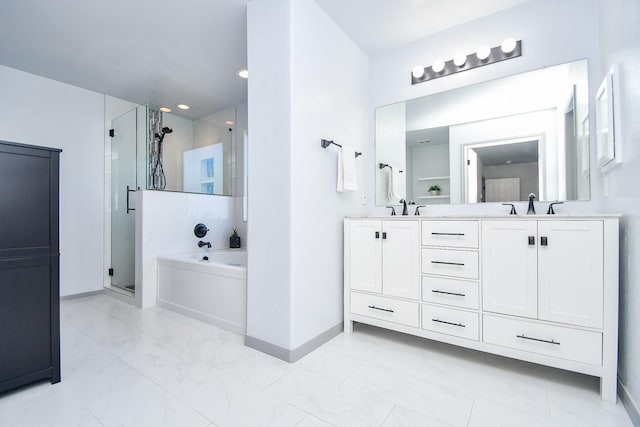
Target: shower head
x,y
165,131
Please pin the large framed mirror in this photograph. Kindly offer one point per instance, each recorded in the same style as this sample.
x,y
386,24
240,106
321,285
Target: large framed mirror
x,y
496,141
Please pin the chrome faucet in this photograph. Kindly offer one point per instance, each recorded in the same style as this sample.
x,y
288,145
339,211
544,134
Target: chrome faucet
x,y
201,244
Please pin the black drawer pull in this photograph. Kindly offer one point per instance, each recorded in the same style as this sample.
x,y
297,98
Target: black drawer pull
x,y
460,325
377,234
447,263
532,240
436,291
447,234
544,241
524,337
388,310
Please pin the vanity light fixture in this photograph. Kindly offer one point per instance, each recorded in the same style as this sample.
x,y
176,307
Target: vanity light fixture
x,y
438,66
460,59
183,106
418,71
165,109
244,73
510,48
483,52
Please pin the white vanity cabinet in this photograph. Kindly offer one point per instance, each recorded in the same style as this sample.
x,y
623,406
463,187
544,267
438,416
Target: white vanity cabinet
x,y
383,258
547,270
538,288
450,272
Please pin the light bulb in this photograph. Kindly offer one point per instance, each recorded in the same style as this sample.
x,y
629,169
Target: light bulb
x,y
460,59
483,52
243,74
508,45
418,71
438,65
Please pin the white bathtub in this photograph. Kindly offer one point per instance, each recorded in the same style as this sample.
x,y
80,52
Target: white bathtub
x,y
214,291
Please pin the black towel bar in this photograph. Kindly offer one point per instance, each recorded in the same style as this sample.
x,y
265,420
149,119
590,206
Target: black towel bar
x,y
325,143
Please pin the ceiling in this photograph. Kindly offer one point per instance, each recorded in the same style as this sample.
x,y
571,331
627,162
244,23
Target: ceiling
x,y
167,52
377,25
509,153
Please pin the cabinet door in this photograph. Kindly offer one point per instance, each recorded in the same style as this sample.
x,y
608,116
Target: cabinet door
x,y
365,255
570,272
509,267
401,258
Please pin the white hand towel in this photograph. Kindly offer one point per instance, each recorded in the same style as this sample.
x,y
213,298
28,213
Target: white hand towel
x,y
347,169
397,187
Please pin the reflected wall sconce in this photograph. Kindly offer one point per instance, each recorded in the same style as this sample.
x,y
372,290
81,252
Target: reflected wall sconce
x,y
510,48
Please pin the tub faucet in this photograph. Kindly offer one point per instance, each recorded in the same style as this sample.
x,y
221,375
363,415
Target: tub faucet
x,y
201,244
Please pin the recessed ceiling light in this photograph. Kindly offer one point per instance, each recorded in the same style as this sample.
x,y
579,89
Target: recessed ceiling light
x,y
243,73
228,122
165,109
183,106
508,162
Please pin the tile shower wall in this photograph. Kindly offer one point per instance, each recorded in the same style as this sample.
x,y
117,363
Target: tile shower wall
x,y
164,226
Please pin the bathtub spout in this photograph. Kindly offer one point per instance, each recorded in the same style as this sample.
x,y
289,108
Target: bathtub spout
x,y
201,244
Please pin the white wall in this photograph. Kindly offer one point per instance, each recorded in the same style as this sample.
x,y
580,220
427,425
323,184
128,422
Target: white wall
x,y
329,98
308,82
39,111
620,43
540,25
269,107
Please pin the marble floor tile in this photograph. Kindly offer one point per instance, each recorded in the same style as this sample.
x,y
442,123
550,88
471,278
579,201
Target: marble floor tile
x,y
438,402
338,404
479,377
490,414
228,401
373,349
401,417
154,367
58,407
328,362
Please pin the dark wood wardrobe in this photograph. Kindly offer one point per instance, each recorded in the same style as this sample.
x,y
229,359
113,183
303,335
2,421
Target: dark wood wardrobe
x,y
29,265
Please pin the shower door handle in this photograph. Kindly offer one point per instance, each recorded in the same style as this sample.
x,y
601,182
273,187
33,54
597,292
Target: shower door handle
x,y
128,208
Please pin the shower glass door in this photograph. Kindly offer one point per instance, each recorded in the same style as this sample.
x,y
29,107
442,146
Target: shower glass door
x,y
123,187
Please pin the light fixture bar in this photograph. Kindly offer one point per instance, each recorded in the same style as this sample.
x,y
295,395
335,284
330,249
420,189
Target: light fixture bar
x,y
496,55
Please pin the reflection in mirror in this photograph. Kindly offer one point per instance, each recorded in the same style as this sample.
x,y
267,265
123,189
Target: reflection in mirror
x,y
495,141
191,156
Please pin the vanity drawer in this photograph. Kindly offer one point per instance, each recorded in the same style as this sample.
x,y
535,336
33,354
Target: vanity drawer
x,y
450,321
459,293
557,341
456,234
450,262
392,310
